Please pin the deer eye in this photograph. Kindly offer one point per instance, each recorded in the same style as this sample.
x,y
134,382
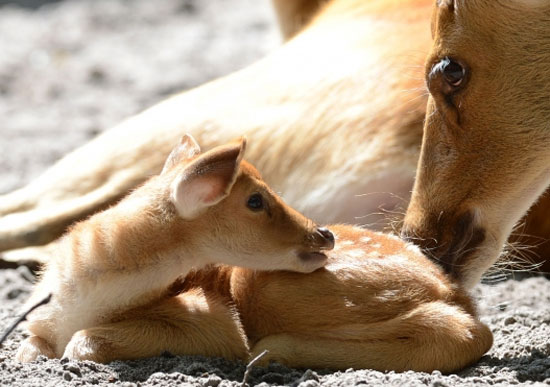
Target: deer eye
x,y
453,72
255,202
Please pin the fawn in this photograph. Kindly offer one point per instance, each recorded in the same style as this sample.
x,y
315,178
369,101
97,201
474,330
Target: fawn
x,y
379,303
202,208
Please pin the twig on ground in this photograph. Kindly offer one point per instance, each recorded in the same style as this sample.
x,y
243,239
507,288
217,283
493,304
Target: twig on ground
x,y
23,317
250,365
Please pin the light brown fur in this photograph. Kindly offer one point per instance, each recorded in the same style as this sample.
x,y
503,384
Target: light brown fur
x,y
120,289
349,83
333,116
378,303
349,89
195,213
485,155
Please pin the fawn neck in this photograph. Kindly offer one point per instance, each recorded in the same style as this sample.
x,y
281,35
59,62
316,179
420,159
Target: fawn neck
x,y
134,250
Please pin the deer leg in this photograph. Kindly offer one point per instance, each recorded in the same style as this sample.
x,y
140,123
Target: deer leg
x,y
189,324
33,347
434,336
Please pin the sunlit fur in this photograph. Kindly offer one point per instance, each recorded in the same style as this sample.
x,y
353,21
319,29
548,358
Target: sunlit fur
x,y
335,118
488,152
129,255
378,304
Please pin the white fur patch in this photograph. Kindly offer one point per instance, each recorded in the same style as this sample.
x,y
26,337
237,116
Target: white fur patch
x,y
414,249
356,254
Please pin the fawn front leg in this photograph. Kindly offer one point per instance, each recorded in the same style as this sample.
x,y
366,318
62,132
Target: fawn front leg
x,y
189,324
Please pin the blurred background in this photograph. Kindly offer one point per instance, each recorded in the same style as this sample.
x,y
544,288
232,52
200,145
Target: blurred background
x,y
70,69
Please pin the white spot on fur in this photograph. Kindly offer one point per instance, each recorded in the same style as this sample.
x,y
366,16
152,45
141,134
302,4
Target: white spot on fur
x,y
387,295
349,303
393,237
365,239
356,254
414,249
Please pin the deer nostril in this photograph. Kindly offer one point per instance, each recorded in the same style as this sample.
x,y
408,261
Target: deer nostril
x,y
327,235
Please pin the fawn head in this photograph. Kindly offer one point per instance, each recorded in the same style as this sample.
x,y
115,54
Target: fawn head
x,y
234,217
485,154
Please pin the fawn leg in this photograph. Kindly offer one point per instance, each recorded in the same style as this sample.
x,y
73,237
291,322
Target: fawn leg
x,y
434,336
189,324
32,347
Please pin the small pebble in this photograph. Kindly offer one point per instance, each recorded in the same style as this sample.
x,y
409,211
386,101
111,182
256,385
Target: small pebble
x,y
75,369
509,320
67,376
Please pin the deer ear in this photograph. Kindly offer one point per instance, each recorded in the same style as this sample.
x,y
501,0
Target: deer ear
x,y
207,180
185,150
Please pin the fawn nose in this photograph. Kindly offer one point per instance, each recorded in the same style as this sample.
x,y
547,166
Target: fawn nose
x,y
326,238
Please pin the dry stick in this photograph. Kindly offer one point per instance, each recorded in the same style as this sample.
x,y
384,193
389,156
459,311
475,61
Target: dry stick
x,y
250,365
23,317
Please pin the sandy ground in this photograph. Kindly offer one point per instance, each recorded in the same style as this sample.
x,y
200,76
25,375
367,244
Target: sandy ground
x,y
71,69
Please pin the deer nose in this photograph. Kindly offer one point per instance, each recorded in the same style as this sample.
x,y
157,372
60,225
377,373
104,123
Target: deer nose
x,y
327,238
449,240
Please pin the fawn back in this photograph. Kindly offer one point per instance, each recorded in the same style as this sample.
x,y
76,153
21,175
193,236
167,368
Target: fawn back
x,y
378,303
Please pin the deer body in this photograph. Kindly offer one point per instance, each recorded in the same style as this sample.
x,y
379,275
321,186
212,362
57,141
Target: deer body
x,y
351,92
129,255
378,303
349,83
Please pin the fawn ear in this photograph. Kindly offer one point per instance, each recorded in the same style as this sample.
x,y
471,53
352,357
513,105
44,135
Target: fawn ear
x,y
185,150
208,179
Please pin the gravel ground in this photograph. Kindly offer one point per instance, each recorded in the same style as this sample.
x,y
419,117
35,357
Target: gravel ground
x,y
71,69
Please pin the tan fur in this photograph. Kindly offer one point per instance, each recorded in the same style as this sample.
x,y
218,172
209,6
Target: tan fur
x,y
333,116
294,15
386,308
121,292
349,85
378,303
485,155
128,256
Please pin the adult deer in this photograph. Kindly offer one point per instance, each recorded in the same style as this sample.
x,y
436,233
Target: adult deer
x,y
334,115
485,155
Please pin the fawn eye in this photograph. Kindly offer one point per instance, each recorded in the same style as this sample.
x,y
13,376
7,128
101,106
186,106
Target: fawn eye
x,y
453,72
255,202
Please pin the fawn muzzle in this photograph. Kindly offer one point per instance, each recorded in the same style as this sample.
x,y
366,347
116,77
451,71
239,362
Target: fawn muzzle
x,y
324,239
